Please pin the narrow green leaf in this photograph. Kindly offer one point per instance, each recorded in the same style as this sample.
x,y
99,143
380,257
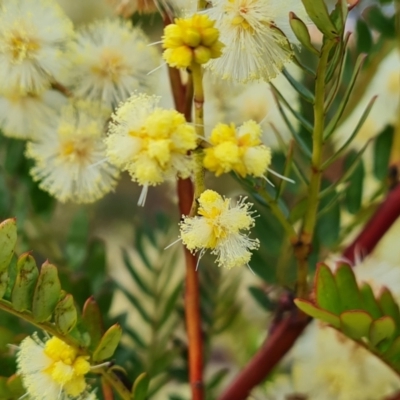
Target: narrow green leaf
x,y
346,175
108,343
390,307
326,292
47,293
298,210
354,190
364,37
336,118
260,297
216,379
170,304
134,274
318,12
382,149
339,15
301,31
135,337
347,286
369,301
315,312
136,303
381,329
300,88
140,387
350,139
355,323
328,224
92,321
303,121
24,286
383,24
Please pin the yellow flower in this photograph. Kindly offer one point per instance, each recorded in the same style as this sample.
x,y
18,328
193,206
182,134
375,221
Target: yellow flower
x,y
149,142
191,40
218,227
237,149
52,370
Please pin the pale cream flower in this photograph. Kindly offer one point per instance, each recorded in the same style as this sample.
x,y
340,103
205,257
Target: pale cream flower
x,y
149,142
327,365
111,60
53,370
25,116
34,37
251,30
386,85
70,159
218,227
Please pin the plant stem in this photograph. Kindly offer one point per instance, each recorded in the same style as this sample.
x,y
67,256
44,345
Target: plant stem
x,y
110,377
44,326
303,246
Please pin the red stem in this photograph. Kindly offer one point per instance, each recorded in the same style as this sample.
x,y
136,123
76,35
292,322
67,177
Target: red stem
x,y
183,98
289,329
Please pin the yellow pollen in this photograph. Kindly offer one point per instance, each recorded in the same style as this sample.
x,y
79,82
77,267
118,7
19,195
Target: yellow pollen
x,y
22,47
111,65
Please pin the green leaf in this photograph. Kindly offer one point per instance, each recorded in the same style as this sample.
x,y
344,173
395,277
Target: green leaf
x,y
381,329
382,149
301,89
328,223
369,301
108,343
339,112
317,11
92,322
96,264
76,245
136,303
140,387
299,116
261,298
339,15
134,274
393,353
354,190
301,31
347,287
364,37
355,323
350,139
24,286
315,312
170,304
377,20
8,240
390,307
326,292
65,314
47,293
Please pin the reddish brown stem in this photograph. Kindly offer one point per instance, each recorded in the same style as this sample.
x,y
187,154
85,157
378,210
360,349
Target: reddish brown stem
x,y
106,390
192,302
183,98
289,329
376,227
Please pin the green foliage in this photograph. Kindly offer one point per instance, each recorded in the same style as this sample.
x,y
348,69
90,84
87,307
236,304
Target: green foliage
x,y
373,322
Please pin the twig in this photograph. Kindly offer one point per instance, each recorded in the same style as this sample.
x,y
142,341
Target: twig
x,y
287,331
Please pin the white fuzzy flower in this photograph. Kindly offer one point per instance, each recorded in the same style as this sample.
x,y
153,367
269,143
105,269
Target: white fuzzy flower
x,y
52,370
24,116
111,60
327,365
70,160
34,36
251,30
